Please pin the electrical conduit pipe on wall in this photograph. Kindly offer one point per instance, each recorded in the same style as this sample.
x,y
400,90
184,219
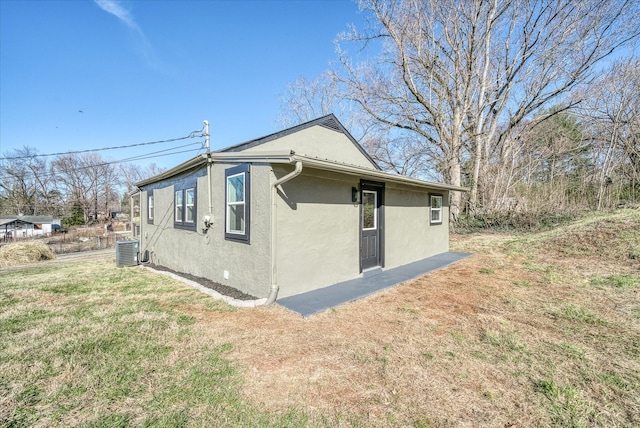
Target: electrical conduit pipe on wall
x,y
273,293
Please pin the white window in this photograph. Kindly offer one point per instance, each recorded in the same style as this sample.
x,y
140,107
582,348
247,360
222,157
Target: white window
x,y
150,208
237,203
190,204
436,209
185,208
179,206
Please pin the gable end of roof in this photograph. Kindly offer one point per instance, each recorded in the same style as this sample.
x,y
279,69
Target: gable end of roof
x,y
332,123
329,121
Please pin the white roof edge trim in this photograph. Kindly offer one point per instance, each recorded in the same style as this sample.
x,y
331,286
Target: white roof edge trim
x,y
280,156
184,166
365,172
289,157
251,154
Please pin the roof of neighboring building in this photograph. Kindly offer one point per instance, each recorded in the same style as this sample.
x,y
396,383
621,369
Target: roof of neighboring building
x,y
13,221
29,218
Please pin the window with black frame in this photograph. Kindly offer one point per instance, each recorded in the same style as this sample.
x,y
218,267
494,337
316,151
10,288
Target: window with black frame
x,y
185,208
237,203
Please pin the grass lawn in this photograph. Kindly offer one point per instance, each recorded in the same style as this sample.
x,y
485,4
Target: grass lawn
x,y
540,329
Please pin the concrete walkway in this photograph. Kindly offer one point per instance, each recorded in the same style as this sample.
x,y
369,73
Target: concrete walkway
x,y
312,302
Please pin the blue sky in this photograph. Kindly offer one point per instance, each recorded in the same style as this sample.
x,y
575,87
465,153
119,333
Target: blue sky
x,y
78,75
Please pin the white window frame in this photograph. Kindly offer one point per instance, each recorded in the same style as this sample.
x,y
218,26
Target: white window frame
x,y
433,210
237,203
243,170
150,208
179,206
187,205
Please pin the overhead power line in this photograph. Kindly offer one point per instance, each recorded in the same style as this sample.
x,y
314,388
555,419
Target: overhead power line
x,y
191,135
159,153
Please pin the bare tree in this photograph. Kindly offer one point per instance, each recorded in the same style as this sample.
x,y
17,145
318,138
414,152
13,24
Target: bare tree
x,y
612,111
454,75
87,180
305,100
27,183
547,169
132,173
31,185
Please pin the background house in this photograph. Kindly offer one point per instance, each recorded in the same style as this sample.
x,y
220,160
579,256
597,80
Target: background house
x,y
17,227
297,210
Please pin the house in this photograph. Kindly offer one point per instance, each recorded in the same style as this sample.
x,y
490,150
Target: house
x,y
290,212
17,227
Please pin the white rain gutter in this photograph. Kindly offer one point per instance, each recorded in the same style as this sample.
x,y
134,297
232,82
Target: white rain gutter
x,y
328,165
273,293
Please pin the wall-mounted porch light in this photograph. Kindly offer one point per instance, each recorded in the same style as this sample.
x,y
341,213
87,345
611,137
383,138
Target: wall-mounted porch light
x,y
355,193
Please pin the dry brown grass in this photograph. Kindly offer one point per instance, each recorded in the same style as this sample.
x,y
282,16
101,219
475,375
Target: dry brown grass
x,y
24,252
504,338
404,353
523,333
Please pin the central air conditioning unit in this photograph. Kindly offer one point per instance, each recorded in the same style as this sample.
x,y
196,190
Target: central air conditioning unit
x,y
127,253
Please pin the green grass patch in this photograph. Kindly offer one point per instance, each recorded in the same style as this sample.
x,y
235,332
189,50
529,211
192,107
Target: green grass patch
x,y
576,314
504,341
623,280
617,381
569,350
113,351
428,355
539,268
521,283
568,409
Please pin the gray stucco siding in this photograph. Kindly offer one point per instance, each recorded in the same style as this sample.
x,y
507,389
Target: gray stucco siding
x,y
248,264
316,229
409,236
208,254
317,232
319,142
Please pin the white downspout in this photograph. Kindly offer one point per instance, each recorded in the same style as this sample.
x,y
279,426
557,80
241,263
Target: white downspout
x,y
273,293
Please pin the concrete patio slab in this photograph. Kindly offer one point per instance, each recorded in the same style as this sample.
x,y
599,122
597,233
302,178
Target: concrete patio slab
x,y
312,302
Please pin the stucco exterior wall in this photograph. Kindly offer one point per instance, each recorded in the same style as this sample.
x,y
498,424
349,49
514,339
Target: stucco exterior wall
x,y
317,232
318,229
319,142
409,236
209,254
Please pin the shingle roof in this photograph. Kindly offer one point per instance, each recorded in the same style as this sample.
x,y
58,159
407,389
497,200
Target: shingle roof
x,y
29,218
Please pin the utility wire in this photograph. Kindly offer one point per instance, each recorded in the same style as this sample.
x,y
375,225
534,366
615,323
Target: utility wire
x,y
191,135
139,157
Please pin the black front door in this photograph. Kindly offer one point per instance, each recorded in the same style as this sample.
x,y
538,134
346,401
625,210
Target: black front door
x,y
370,226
